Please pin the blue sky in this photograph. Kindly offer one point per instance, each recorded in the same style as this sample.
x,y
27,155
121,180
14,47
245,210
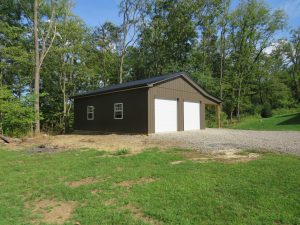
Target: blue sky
x,y
95,12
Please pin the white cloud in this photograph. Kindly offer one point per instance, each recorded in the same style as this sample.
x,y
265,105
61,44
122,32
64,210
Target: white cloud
x,y
268,50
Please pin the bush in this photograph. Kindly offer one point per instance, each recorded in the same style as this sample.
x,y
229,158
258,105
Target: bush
x,y
122,151
266,111
16,114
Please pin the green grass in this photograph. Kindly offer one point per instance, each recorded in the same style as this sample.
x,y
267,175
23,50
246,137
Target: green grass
x,y
263,191
278,122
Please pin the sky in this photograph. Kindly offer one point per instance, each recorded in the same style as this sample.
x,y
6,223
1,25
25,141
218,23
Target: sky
x,y
95,12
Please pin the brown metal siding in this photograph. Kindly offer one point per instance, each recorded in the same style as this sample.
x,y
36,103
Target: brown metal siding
x,y
135,116
181,90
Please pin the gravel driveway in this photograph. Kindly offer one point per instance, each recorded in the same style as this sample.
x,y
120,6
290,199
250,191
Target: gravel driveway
x,y
223,139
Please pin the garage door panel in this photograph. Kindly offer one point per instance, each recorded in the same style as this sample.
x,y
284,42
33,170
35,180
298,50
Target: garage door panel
x,y
191,115
165,115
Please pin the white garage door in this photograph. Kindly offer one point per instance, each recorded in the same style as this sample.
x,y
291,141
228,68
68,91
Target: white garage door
x,y
165,115
191,116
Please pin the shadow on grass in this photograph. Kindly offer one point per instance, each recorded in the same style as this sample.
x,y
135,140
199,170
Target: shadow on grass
x,y
294,119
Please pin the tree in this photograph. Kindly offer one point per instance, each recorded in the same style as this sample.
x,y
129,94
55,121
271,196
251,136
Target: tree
x,y
166,39
71,67
45,17
15,59
251,30
105,40
223,21
130,13
291,50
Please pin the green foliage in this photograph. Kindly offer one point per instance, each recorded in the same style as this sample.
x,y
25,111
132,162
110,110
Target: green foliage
x,y
266,111
122,151
288,121
16,114
263,191
282,111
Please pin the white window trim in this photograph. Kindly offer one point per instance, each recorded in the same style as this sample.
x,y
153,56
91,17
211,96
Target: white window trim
x,y
88,108
118,111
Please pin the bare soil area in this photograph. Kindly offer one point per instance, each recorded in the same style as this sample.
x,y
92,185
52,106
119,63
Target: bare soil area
x,y
51,211
85,181
225,156
137,213
129,183
110,142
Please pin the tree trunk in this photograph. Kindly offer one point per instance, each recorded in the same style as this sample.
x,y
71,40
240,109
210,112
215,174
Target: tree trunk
x,y
37,70
203,55
65,103
1,79
296,83
221,64
121,69
239,99
1,123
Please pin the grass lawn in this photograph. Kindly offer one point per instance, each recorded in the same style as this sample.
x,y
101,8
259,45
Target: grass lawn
x,y
278,122
147,189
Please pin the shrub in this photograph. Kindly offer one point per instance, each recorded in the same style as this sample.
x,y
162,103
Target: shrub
x,y
266,110
16,114
122,151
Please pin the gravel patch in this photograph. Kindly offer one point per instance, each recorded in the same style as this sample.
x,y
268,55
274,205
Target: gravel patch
x,y
223,139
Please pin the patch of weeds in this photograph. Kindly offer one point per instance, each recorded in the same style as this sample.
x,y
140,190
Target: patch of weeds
x,y
177,150
101,153
123,151
245,152
85,149
130,183
152,149
248,151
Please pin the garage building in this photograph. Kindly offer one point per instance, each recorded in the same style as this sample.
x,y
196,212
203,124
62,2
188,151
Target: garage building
x,y
172,102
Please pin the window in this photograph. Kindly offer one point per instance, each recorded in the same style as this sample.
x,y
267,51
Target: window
x,y
118,111
90,112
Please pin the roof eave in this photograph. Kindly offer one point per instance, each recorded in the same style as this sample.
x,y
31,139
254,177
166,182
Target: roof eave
x,y
108,92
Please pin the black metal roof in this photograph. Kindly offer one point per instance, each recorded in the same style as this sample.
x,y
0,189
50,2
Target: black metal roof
x,y
131,84
145,83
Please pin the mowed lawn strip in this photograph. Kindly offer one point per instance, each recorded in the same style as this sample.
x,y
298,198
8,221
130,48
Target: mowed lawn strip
x,y
148,189
278,122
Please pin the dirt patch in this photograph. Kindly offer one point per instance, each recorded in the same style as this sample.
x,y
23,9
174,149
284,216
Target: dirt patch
x,y
110,142
96,191
137,213
176,162
234,155
51,211
130,183
87,140
45,149
85,181
227,156
110,202
120,168
140,215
